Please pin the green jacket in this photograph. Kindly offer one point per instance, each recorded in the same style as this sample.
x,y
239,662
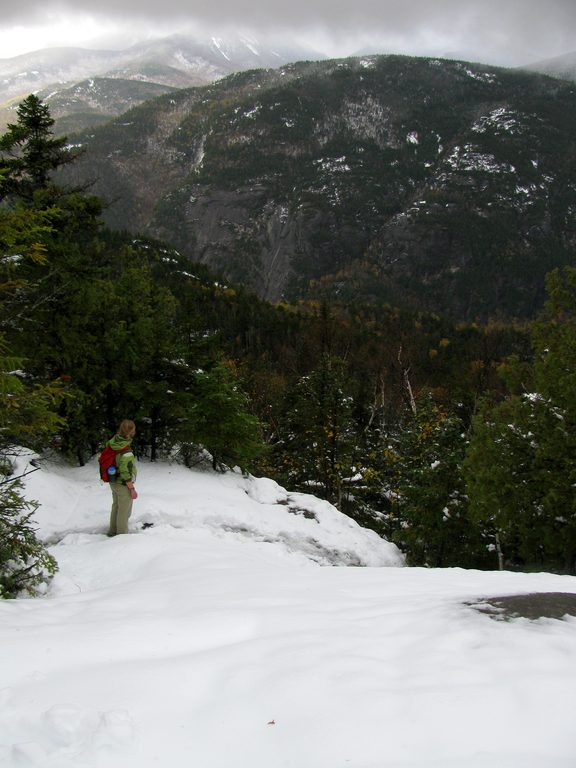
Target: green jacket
x,y
125,461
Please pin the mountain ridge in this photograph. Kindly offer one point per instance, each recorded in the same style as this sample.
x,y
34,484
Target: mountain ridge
x,y
176,61
563,67
386,178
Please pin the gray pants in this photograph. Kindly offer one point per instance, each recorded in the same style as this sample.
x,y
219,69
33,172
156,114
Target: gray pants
x,y
121,509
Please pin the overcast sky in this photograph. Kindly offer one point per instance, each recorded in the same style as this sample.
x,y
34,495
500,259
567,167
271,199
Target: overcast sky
x,y
505,32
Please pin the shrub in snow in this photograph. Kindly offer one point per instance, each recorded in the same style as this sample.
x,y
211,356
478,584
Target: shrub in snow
x,y
26,567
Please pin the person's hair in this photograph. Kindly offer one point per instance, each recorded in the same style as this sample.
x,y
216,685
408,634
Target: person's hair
x,y
127,428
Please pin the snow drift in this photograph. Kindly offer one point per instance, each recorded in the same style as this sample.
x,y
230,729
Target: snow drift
x,y
214,639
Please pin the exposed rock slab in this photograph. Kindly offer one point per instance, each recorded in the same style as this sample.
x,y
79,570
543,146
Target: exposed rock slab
x,y
536,605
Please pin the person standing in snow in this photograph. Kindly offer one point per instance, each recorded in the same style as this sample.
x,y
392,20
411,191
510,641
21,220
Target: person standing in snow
x,y
122,482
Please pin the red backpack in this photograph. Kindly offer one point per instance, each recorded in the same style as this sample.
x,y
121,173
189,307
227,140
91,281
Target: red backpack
x,y
107,462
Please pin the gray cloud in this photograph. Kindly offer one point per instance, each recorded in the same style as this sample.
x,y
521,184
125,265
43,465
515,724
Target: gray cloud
x,y
501,31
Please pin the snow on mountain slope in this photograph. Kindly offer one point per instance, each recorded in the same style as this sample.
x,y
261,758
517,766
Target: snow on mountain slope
x,y
172,497
201,60
212,639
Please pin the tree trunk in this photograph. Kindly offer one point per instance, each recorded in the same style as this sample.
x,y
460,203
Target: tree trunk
x,y
405,372
499,552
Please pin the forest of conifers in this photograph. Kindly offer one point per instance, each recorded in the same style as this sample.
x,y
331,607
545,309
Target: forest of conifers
x,y
455,441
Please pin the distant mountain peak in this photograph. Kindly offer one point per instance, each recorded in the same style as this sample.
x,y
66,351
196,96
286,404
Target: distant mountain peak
x,y
560,66
204,60
175,61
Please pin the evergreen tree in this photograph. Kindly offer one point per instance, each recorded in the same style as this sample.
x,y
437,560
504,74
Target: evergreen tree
x,y
504,475
27,417
27,409
371,501
554,340
29,152
138,338
26,567
521,475
430,505
318,440
219,419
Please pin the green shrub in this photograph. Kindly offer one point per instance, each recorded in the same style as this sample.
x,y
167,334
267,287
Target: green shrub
x,y
26,567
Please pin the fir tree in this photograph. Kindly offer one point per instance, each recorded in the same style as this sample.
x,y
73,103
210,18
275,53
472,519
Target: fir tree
x,y
27,417
430,504
29,152
26,567
220,421
318,440
521,476
501,481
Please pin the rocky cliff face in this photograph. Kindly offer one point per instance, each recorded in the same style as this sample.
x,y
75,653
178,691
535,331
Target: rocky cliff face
x,y
434,184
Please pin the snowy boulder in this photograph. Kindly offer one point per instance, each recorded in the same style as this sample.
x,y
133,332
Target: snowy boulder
x,y
74,501
312,526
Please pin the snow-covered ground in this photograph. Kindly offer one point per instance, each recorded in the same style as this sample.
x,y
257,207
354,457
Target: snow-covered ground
x,y
216,639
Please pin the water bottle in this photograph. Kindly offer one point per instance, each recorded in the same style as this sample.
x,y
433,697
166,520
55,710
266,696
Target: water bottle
x,y
111,472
